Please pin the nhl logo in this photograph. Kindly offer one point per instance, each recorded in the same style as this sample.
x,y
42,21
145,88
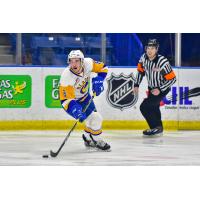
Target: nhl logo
x,y
119,93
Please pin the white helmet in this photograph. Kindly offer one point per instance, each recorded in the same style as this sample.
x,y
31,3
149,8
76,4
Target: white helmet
x,y
75,54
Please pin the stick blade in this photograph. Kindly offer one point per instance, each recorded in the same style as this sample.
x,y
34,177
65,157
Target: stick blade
x,y
53,154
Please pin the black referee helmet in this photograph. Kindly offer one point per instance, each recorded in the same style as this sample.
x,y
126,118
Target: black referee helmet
x,y
153,43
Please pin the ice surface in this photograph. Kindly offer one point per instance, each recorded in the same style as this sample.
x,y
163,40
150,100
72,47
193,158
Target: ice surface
x,y
129,148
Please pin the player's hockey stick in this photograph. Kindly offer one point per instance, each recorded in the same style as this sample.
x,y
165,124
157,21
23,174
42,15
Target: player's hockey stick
x,y
54,154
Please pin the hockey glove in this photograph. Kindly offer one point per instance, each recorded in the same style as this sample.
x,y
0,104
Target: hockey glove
x,y
97,85
75,110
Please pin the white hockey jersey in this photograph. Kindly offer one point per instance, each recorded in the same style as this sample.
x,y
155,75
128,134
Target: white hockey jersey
x,y
75,86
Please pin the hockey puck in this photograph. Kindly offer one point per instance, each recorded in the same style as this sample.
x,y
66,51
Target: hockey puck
x,y
45,156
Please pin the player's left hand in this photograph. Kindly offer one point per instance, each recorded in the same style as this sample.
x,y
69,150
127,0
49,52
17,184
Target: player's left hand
x,y
155,92
82,117
97,85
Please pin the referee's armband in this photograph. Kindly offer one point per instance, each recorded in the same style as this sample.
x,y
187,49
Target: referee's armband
x,y
140,68
170,75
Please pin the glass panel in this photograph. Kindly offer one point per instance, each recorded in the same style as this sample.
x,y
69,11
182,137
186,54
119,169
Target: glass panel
x,y
52,49
190,49
7,48
121,48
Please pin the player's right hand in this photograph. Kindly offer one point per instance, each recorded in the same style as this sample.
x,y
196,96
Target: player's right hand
x,y
135,90
97,85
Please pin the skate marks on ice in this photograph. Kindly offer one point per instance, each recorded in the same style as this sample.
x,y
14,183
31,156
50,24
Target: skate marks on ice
x,y
129,148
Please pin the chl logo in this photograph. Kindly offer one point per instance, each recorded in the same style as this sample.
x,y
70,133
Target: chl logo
x,y
119,93
181,96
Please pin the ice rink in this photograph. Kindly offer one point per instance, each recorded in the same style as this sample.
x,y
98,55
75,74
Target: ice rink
x,y
129,148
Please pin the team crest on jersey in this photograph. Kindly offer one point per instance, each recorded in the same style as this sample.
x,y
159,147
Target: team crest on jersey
x,y
119,93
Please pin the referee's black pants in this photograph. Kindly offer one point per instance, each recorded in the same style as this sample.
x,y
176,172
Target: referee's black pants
x,y
150,109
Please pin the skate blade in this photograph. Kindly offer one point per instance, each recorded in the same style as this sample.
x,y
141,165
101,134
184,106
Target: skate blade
x,y
101,150
95,149
153,136
92,149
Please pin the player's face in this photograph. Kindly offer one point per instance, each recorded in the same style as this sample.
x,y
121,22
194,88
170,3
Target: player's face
x,y
151,52
75,65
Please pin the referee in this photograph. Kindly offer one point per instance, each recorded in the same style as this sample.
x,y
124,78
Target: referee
x,y
160,78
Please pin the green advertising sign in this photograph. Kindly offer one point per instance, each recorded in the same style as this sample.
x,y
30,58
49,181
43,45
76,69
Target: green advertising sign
x,y
51,92
15,91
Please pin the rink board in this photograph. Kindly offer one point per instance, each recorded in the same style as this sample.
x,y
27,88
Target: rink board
x,y
29,100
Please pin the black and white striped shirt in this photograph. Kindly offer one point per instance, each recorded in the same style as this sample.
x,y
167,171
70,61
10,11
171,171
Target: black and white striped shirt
x,y
159,72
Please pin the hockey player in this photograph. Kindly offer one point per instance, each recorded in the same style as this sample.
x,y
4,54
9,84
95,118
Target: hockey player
x,y
74,95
